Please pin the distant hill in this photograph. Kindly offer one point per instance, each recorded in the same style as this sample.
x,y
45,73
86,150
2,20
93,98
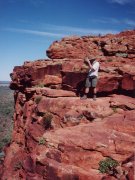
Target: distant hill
x,y
4,83
6,113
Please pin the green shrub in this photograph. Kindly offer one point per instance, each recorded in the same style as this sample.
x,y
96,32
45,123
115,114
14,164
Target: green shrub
x,y
5,140
114,108
121,54
42,141
6,115
109,60
108,165
38,99
39,85
47,120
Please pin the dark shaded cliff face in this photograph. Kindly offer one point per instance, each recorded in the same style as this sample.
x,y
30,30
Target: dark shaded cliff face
x,y
58,136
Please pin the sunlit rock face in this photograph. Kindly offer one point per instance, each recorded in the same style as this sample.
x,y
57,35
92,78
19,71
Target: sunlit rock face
x,y
59,136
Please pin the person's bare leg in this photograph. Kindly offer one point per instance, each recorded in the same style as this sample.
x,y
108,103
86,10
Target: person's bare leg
x,y
86,90
95,90
85,93
94,93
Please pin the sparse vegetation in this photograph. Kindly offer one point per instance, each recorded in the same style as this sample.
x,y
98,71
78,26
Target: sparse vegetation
x,y
39,85
42,141
4,141
6,106
47,120
38,99
114,108
76,69
122,55
6,115
108,166
109,60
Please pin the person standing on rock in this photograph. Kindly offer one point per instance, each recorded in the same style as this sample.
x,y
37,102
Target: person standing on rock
x,y
92,78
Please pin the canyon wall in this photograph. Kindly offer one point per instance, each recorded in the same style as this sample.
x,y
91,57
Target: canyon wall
x,y
59,136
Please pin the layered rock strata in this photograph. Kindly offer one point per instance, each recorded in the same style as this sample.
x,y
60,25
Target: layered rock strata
x,y
59,136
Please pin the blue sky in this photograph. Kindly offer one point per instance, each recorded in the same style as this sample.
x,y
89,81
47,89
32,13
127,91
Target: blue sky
x,y
28,27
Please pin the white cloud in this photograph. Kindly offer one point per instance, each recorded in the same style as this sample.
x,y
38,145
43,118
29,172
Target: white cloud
x,y
39,33
70,30
63,31
121,2
127,22
106,20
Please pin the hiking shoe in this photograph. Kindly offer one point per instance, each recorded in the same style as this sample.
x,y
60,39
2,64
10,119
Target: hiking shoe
x,y
94,97
84,97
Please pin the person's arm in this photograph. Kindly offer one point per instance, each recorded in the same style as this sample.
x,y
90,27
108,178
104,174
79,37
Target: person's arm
x,y
89,63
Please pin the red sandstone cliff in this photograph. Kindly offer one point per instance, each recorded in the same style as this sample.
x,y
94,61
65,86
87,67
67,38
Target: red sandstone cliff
x,y
58,136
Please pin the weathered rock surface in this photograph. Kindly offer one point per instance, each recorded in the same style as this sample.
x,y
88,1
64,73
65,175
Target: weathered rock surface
x,y
66,68
59,136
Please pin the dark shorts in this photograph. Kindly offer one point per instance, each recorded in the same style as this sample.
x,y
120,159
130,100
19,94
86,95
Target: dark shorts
x,y
91,82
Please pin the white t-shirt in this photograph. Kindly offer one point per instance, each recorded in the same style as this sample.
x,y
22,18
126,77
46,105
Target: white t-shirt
x,y
94,70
